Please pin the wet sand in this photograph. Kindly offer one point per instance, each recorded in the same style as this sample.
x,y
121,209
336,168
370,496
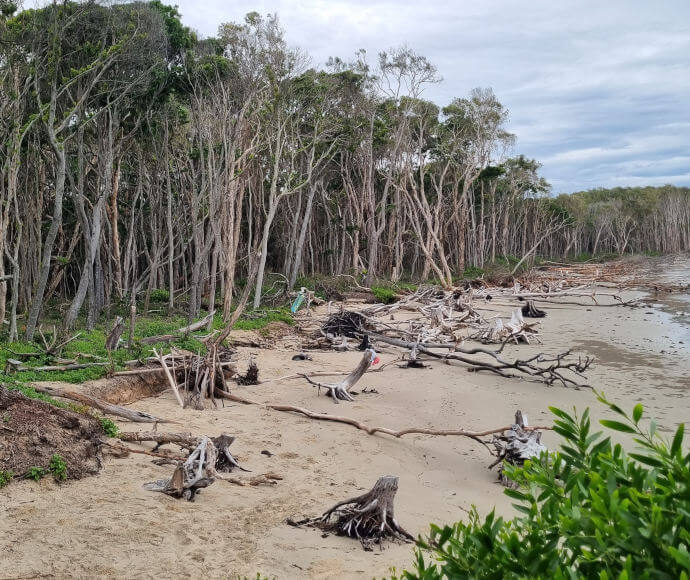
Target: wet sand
x,y
109,526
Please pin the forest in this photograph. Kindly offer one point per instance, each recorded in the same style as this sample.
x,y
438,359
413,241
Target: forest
x,y
138,159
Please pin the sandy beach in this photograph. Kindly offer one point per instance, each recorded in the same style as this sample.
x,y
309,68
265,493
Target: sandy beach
x,y
109,526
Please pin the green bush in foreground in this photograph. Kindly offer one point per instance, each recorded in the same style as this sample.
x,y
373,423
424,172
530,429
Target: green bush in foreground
x,y
590,510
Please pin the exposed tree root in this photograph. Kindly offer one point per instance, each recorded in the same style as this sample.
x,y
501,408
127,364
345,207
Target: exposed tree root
x,y
339,391
516,445
369,517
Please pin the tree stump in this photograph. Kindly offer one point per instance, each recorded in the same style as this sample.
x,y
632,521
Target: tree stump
x,y
340,391
516,446
369,517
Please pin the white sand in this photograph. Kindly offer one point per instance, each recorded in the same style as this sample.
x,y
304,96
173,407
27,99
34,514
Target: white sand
x,y
108,526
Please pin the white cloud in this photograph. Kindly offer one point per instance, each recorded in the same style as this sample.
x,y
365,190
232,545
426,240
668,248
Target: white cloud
x,y
589,84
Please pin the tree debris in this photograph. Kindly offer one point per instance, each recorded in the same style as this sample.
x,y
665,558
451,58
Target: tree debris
x,y
369,517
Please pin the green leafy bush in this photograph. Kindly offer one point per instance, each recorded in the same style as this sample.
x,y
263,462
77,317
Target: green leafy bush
x,y
590,510
159,296
35,473
110,428
384,295
58,468
5,477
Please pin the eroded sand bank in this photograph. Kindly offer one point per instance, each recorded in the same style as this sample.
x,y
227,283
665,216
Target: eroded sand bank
x,y
109,526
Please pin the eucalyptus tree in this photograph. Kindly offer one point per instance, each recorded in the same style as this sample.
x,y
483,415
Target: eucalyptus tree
x,y
476,137
77,55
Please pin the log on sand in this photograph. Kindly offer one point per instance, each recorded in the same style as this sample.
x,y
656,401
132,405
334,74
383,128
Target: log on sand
x,y
180,331
117,410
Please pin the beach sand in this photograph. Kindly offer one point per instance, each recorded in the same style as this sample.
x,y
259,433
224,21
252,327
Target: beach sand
x,y
109,526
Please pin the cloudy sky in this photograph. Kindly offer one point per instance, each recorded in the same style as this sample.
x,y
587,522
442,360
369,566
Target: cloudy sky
x,y
598,91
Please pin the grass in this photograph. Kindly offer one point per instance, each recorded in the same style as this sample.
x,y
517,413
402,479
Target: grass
x,y
384,295
92,343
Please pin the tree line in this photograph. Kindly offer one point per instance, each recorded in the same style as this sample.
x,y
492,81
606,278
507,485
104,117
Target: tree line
x,y
137,157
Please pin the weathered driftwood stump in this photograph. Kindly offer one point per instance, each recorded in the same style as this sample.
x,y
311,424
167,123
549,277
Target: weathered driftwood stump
x,y
529,310
516,446
195,473
339,391
370,517
251,377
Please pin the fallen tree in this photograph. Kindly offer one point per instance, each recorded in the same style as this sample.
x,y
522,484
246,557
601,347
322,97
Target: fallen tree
x,y
108,408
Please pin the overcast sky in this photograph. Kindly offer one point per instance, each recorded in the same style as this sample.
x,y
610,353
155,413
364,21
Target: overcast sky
x,y
598,91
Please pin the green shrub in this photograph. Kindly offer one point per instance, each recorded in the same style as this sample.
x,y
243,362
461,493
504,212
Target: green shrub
x,y
590,510
384,295
110,428
159,296
472,272
5,477
35,473
58,468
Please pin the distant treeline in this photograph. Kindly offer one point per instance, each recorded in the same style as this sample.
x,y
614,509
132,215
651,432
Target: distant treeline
x,y
137,158
623,219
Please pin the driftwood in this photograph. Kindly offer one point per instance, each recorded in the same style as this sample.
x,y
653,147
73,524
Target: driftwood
x,y
171,379
548,370
194,474
113,338
369,517
516,445
180,331
208,460
53,348
251,377
531,311
14,365
369,429
339,391
117,410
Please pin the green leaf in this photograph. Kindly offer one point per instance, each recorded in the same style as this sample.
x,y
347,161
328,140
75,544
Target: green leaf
x,y
678,439
617,426
647,460
681,556
637,413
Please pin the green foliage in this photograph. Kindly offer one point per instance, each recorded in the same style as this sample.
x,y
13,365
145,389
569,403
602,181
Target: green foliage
x,y
472,272
384,295
259,318
35,473
110,428
58,467
159,296
589,510
5,477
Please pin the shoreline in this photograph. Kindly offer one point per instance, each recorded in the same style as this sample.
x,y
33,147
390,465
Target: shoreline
x,y
230,530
